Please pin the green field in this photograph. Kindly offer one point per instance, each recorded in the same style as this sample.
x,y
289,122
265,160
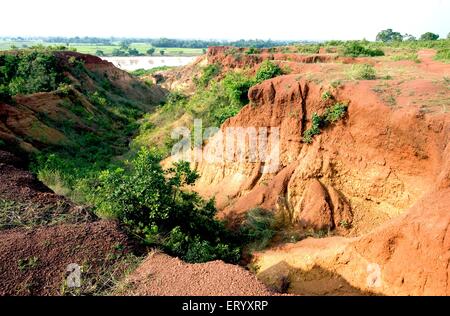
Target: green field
x,y
107,49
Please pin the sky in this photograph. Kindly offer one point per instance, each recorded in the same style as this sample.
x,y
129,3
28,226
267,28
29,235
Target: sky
x,y
224,19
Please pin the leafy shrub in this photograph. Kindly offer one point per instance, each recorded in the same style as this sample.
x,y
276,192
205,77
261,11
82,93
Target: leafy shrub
x,y
175,97
153,205
331,115
313,130
29,71
354,49
267,70
362,72
334,113
258,228
236,86
208,73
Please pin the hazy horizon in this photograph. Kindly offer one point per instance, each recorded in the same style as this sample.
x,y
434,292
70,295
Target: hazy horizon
x,y
230,20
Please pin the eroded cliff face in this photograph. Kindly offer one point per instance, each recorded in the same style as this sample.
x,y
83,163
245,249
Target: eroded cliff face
x,y
368,168
380,176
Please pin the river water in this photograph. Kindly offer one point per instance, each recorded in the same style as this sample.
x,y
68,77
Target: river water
x,y
148,62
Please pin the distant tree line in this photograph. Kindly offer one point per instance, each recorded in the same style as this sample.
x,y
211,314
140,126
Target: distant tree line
x,y
390,35
160,42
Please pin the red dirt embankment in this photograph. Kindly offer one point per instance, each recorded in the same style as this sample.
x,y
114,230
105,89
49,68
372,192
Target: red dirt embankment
x,y
380,176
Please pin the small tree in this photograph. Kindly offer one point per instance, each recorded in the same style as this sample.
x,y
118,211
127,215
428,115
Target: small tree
x,y
150,51
428,36
99,53
389,36
162,52
133,52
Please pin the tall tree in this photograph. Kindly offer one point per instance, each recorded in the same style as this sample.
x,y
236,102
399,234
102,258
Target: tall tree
x,y
389,36
428,36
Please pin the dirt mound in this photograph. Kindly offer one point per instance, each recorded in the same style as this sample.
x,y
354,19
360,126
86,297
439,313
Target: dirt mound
x,y
34,262
162,275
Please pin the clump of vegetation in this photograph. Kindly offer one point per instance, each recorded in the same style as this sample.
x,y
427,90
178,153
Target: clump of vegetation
x,y
362,72
407,56
267,70
27,263
428,36
154,206
145,72
258,228
389,36
308,49
208,74
28,71
443,54
237,85
355,49
252,50
331,115
326,96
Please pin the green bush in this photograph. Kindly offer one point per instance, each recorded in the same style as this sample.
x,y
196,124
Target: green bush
x,y
362,72
29,71
236,86
258,228
208,73
354,49
154,205
428,36
334,113
331,115
267,70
